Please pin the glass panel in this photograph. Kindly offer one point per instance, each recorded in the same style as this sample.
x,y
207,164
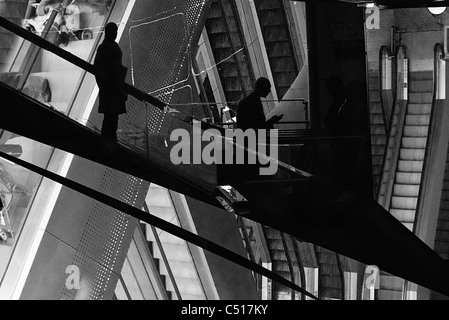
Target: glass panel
x,y
17,188
52,81
41,74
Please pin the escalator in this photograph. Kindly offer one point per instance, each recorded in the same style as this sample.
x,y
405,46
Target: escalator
x,y
441,240
413,146
229,50
380,95
276,34
324,217
412,149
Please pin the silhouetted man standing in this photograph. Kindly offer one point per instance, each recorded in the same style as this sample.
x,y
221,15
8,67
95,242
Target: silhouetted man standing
x,y
250,114
110,76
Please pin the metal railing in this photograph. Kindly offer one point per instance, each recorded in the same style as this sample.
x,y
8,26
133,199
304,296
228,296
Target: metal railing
x,y
393,145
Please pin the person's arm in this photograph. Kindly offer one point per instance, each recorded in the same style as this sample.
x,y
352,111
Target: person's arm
x,y
274,119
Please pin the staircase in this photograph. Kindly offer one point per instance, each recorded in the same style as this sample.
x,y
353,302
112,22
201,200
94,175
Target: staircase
x,y
377,125
390,287
413,146
152,246
291,263
276,34
14,11
409,167
176,250
330,281
226,39
281,264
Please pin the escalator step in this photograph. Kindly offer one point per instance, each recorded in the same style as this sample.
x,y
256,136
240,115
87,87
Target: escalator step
x,y
416,131
408,178
405,190
389,295
420,97
410,166
414,143
403,215
421,86
412,154
408,203
417,120
391,283
419,108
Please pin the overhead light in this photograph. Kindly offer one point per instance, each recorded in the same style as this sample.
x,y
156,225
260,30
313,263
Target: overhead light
x,y
436,10
366,5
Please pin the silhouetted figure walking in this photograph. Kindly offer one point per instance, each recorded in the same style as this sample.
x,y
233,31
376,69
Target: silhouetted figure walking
x,y
250,114
110,76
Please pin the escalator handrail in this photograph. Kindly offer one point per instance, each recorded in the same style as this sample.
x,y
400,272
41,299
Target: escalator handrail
x,y
384,53
159,223
438,56
400,102
433,125
131,90
435,114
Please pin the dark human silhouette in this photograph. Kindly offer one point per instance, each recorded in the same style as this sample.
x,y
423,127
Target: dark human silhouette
x,y
345,115
250,114
333,119
110,75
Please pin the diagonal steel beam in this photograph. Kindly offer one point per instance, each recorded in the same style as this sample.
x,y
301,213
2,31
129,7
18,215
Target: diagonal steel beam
x,y
159,223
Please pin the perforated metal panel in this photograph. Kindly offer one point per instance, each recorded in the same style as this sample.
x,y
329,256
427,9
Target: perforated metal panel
x,y
103,237
159,47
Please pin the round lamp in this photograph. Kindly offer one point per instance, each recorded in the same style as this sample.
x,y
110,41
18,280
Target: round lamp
x,y
436,10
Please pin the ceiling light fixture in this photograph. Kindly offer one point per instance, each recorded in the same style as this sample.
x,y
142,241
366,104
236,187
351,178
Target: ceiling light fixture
x,y
436,10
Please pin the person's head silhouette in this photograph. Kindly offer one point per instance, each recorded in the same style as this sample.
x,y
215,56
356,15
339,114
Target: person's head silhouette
x,y
335,86
262,87
110,31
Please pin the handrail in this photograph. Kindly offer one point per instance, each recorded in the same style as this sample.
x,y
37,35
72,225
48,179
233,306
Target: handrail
x,y
439,80
391,154
131,90
158,222
385,83
431,151
434,125
163,255
289,262
302,276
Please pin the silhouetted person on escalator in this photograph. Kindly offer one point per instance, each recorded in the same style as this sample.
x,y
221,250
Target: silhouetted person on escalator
x,y
110,76
250,114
